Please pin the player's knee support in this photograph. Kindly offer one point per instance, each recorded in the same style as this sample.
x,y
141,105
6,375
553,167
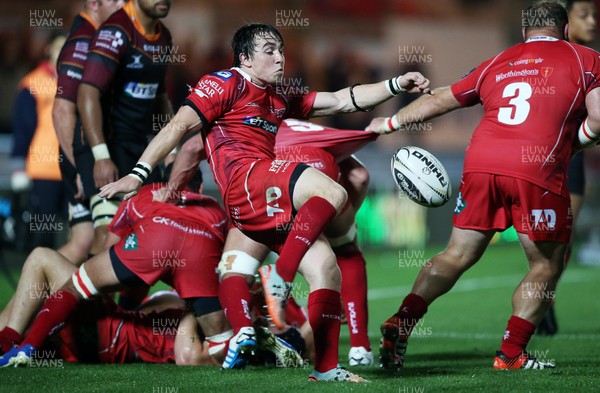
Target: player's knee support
x,y
218,342
103,210
346,238
83,284
238,262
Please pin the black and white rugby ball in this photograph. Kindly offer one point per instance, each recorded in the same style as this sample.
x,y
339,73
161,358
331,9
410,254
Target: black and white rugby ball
x,y
421,176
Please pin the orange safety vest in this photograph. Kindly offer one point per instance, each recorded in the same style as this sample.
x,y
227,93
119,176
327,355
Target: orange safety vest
x,y
43,157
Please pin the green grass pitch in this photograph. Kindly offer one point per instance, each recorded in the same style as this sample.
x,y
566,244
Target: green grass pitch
x,y
451,351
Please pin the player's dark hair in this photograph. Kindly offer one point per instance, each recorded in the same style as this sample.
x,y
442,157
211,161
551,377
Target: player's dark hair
x,y
546,15
569,3
243,41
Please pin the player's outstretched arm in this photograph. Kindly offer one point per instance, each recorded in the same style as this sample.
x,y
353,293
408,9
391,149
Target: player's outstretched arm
x,y
365,97
184,121
427,107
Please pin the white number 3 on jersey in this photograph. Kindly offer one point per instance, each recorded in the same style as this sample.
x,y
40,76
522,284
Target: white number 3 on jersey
x,y
519,107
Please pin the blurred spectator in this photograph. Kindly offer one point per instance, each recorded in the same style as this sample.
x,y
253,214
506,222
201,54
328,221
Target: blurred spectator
x,y
35,157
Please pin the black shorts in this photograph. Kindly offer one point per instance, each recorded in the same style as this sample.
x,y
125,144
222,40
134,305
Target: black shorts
x,y
124,154
576,175
79,211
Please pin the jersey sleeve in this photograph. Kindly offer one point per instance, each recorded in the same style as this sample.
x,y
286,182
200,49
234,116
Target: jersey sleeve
x,y
71,62
591,71
106,52
466,90
214,94
299,106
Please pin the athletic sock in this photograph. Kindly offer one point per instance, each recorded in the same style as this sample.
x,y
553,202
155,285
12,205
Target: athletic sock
x,y
51,318
411,311
518,333
9,338
324,309
234,295
354,296
307,226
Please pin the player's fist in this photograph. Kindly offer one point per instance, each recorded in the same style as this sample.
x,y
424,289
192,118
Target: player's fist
x,y
380,125
105,172
414,82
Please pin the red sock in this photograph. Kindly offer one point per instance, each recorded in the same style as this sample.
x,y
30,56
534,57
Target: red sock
x,y
324,313
411,311
518,333
294,316
9,338
234,295
51,318
307,226
354,296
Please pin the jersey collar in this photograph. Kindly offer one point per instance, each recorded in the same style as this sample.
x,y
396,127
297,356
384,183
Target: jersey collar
x,y
129,9
247,77
541,38
87,17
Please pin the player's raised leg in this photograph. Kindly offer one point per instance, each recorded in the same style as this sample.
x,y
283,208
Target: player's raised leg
x,y
318,200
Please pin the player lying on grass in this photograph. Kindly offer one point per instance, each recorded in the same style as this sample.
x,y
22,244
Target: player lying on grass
x,y
514,174
99,331
239,111
179,245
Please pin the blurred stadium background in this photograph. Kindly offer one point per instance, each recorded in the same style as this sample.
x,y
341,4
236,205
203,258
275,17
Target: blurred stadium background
x,y
329,44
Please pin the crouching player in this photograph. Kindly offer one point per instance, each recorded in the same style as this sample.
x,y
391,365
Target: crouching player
x,y
159,241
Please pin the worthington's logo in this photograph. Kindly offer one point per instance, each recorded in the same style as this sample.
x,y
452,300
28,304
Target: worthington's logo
x,y
263,124
512,74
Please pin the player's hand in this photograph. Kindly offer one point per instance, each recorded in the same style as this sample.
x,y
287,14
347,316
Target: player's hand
x,y
379,126
127,185
415,82
105,172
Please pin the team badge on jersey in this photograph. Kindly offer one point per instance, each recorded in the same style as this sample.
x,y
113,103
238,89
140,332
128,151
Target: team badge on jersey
x,y
460,204
223,74
131,243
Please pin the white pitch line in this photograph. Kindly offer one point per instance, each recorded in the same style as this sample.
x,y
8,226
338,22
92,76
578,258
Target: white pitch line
x,y
476,284
490,336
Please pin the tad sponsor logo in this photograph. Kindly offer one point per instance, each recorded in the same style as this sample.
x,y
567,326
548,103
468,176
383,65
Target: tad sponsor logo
x,y
263,124
142,91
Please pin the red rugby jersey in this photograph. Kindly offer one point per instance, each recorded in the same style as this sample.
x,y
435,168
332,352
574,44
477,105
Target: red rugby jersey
x,y
241,119
533,95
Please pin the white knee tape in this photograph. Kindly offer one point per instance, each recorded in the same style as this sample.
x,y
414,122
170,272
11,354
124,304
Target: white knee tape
x,y
348,237
218,342
238,262
83,284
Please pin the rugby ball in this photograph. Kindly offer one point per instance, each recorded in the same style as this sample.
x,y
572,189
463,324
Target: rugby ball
x,y
421,176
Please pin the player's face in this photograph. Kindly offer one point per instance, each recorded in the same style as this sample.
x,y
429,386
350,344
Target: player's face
x,y
155,9
582,22
268,61
108,7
